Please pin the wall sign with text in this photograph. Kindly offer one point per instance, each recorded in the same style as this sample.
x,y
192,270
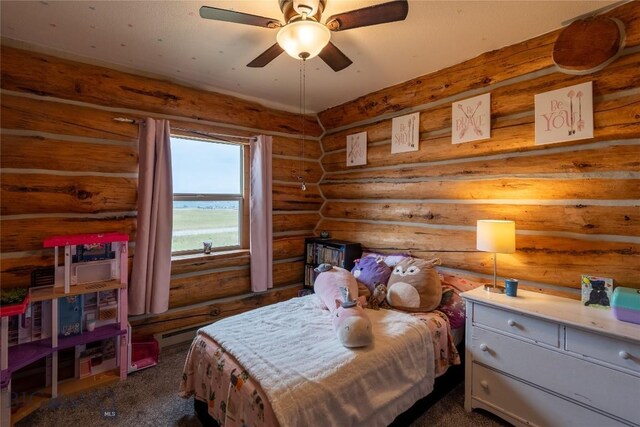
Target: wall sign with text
x,y
357,149
405,133
471,119
565,114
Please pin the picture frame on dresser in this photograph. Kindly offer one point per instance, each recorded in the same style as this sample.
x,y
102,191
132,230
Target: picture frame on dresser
x,y
544,360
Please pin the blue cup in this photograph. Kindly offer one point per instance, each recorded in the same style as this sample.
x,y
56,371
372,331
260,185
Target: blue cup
x,y
511,286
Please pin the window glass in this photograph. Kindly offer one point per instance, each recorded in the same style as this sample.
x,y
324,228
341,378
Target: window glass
x,y
205,167
207,206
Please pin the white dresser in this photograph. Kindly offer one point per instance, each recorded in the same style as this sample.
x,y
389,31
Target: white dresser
x,y
542,360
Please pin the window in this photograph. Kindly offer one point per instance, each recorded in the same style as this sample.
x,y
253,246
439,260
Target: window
x,y
207,194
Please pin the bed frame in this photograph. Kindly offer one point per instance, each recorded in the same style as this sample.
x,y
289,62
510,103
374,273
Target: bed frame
x,y
442,385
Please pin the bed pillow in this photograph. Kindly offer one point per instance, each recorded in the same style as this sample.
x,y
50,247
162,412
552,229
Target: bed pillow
x,y
458,283
453,306
414,285
370,272
390,259
452,303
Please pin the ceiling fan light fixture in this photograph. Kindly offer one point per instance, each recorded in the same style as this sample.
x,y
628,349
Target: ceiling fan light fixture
x,y
303,39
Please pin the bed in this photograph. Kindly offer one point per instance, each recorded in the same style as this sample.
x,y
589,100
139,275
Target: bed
x,y
281,365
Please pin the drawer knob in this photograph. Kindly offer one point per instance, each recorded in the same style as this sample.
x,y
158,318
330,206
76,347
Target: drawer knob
x,y
484,384
624,354
483,347
511,322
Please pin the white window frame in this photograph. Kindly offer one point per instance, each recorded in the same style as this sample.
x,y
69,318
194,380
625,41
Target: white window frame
x,y
214,197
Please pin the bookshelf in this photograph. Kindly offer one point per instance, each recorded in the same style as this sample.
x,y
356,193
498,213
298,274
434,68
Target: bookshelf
x,y
335,252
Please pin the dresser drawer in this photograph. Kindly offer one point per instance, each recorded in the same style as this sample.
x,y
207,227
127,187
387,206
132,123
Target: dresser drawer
x,y
526,403
576,379
606,349
524,326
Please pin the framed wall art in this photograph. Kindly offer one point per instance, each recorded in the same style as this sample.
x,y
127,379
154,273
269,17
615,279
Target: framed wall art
x,y
405,133
357,149
471,119
564,114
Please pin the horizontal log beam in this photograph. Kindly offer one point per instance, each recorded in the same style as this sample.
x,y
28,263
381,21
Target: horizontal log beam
x,y
46,75
545,259
35,152
298,222
602,159
288,247
194,289
290,197
503,188
208,286
290,170
199,262
40,193
28,234
582,219
288,273
293,147
63,119
203,314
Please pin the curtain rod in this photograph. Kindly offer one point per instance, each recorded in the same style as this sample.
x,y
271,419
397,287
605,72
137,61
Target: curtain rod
x,y
196,132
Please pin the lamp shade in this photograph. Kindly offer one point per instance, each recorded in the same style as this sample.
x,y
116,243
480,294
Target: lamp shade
x,y
303,39
496,236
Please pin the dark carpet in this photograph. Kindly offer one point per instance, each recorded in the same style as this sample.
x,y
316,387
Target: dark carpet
x,y
149,398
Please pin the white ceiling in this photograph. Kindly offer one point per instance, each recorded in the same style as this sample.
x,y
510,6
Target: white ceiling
x,y
169,39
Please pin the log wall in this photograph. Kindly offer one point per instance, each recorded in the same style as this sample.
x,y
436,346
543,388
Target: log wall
x,y
576,204
68,168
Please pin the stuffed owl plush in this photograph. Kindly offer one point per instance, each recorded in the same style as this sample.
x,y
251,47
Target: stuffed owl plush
x,y
414,285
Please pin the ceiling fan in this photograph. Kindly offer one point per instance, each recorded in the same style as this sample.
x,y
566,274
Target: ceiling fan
x,y
302,35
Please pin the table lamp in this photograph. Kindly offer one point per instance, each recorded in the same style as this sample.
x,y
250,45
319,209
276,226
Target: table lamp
x,y
498,237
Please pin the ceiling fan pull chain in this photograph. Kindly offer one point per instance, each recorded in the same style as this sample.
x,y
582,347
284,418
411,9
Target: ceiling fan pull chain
x,y
304,112
303,95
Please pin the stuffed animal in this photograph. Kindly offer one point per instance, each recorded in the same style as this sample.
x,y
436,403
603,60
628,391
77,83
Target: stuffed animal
x,y
598,294
378,298
371,271
414,285
338,290
323,267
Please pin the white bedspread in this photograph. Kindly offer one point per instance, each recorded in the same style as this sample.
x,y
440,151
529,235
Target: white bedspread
x,y
311,379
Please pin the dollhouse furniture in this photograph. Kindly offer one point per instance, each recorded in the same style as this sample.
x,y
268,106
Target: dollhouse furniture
x,y
543,360
90,288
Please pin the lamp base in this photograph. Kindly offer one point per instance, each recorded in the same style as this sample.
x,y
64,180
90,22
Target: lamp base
x,y
494,289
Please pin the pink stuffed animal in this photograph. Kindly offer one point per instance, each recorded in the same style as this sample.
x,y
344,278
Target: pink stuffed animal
x,y
338,290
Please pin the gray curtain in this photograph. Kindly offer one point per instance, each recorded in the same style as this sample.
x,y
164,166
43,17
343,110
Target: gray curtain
x,y
149,288
261,228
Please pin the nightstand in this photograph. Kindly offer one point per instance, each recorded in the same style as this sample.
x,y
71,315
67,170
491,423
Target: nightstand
x,y
542,360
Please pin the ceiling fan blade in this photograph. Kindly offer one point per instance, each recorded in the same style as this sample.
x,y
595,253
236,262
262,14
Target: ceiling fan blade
x,y
379,14
334,57
267,56
237,17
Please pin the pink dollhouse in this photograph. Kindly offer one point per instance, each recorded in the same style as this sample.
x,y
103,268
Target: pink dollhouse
x,y
85,308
